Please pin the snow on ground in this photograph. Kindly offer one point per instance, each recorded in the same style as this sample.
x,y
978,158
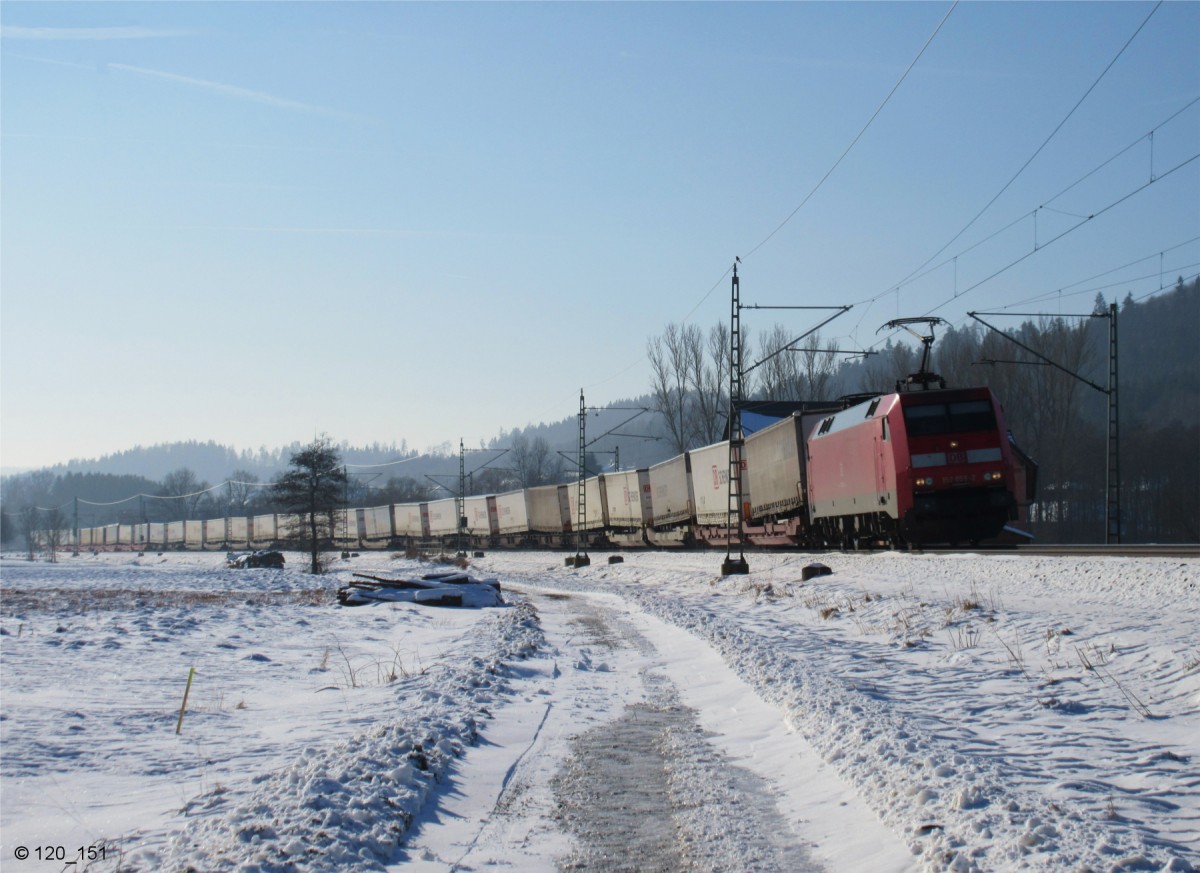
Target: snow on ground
x,y
995,711
905,712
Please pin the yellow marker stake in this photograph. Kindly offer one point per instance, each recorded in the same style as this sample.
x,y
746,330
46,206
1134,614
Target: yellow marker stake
x,y
186,691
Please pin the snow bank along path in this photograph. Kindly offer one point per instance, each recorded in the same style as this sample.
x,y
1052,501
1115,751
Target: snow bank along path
x,y
350,803
608,763
1000,713
313,735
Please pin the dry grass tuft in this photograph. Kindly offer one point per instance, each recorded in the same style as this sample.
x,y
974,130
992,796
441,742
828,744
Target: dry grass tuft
x,y
964,637
23,600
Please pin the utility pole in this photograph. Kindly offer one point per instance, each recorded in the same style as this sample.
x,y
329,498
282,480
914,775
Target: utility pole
x,y
460,500
735,566
581,556
737,435
460,495
1112,477
737,438
345,509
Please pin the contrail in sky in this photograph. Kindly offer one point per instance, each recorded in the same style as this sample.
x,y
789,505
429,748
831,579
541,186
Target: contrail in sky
x,y
85,33
233,91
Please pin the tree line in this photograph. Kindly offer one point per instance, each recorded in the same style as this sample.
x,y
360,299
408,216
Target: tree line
x,y
1057,419
312,487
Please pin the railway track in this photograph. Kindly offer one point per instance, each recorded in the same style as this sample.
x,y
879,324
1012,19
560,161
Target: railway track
x,y
1133,550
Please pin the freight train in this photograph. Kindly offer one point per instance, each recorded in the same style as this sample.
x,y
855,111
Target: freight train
x,y
921,465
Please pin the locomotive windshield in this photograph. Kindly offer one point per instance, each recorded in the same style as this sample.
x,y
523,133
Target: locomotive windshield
x,y
931,419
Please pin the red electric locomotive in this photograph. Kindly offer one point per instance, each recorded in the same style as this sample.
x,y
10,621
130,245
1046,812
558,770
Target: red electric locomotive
x,y
922,465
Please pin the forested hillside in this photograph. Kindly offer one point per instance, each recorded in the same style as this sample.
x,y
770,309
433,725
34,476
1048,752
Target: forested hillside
x,y
1059,419
1063,421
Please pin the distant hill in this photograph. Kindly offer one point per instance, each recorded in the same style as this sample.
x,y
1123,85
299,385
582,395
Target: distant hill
x,y
119,477
210,461
213,462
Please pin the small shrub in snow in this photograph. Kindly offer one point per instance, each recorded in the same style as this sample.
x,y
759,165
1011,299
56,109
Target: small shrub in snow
x,y
964,637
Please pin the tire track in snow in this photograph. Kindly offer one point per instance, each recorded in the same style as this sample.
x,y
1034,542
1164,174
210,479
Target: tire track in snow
x,y
647,792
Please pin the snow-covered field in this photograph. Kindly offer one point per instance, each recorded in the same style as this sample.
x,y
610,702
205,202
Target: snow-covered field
x,y
905,712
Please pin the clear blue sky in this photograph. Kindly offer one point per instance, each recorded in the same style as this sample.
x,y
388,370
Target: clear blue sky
x,y
255,222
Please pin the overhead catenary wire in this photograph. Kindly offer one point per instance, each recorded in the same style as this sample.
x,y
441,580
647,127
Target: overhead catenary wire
x,y
913,276
921,271
1037,151
1065,233
1032,212
155,496
815,188
384,464
141,495
1138,299
1148,294
859,135
144,496
1038,248
1059,295
1147,135
1133,263
1058,292
791,215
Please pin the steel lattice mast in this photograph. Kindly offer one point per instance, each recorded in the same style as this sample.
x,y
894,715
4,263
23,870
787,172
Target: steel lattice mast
x,y
581,556
732,565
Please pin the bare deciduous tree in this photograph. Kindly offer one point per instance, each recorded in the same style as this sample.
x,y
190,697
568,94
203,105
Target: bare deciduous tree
x,y
778,376
492,480
187,492
689,374
711,384
794,370
54,525
240,489
668,365
8,529
954,357
406,489
534,462
29,519
892,363
817,367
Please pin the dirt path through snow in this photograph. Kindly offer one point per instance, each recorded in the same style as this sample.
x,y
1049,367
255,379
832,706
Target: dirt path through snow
x,y
601,767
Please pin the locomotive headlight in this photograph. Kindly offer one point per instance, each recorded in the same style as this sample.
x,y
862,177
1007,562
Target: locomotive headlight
x,y
924,482
993,477
954,444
